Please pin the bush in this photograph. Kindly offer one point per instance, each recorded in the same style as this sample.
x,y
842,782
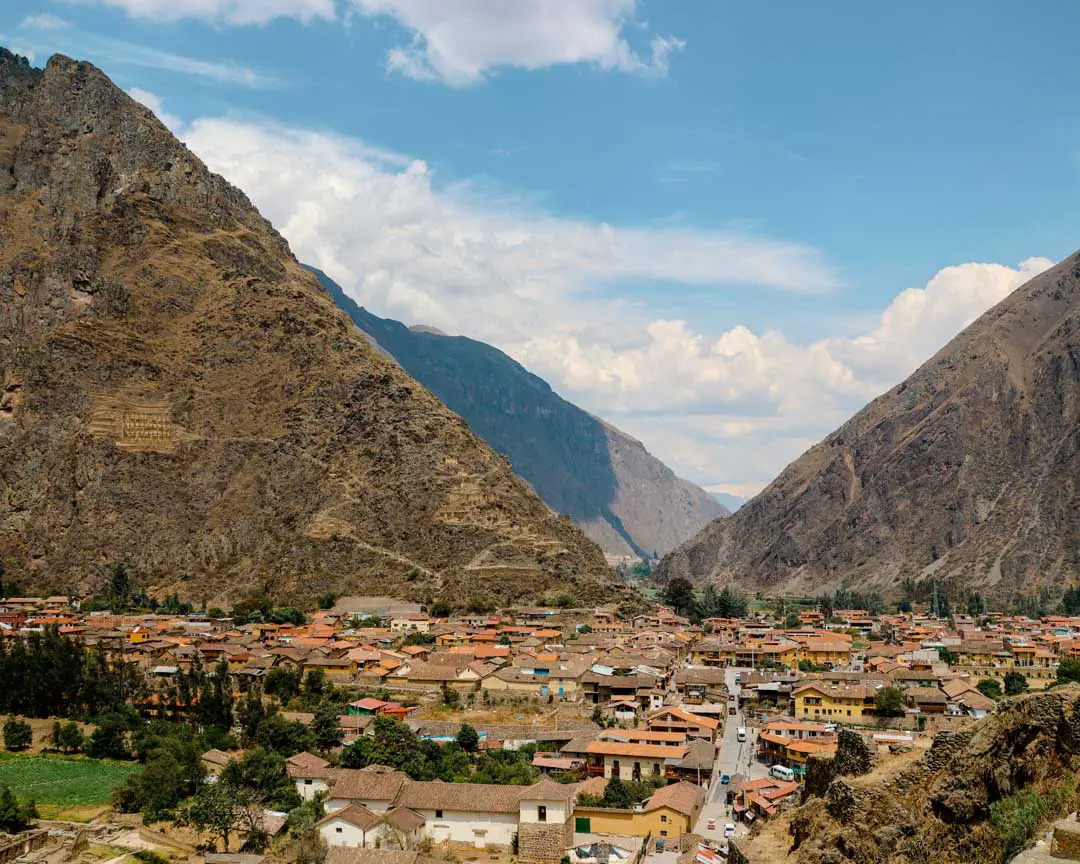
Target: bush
x,y
18,735
1016,818
990,688
67,737
1015,683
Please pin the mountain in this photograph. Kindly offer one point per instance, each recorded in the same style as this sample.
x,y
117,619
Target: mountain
x,y
967,472
622,497
180,394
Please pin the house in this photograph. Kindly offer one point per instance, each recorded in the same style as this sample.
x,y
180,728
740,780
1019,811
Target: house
x,y
700,684
776,749
410,624
629,761
837,700
926,700
310,773
761,798
674,719
555,764
669,813
375,788
214,761
357,826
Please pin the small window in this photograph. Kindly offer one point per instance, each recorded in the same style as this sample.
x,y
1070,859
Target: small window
x,y
541,813
307,782
438,814
663,833
338,829
663,817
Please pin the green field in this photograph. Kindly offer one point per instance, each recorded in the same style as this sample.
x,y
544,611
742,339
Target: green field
x,y
62,783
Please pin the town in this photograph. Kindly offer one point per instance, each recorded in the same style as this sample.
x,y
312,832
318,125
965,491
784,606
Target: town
x,y
375,730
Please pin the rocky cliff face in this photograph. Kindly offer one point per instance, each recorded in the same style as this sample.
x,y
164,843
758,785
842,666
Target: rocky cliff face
x,y
966,471
624,498
939,810
179,393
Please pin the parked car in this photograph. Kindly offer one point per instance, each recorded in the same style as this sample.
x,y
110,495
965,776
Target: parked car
x,y
732,711
724,779
729,830
659,844
711,826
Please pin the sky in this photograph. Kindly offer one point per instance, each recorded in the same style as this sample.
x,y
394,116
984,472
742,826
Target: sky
x,y
722,226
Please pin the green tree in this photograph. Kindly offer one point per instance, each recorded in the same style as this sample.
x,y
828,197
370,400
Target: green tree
x,y
286,737
792,622
264,776
327,726
154,791
1068,671
109,739
679,595
67,737
731,603
315,684
282,682
1015,683
309,846
1070,602
440,609
990,688
468,739
709,601
14,816
327,600
217,809
18,735
889,702
616,794
121,587
250,713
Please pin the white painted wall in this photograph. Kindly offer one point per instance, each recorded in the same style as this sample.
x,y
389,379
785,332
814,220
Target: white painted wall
x,y
556,811
338,832
479,829
333,804
309,788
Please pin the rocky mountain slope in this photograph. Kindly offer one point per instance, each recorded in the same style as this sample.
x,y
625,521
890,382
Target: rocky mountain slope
x,y
625,499
180,394
969,800
966,471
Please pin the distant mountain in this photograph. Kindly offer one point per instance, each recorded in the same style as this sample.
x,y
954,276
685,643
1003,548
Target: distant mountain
x,y
622,497
966,472
178,393
730,502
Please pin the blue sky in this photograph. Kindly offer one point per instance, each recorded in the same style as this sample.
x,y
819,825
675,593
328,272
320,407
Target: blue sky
x,y
697,219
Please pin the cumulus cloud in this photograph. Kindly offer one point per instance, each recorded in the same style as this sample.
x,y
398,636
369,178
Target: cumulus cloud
x,y
729,409
459,42
235,12
156,104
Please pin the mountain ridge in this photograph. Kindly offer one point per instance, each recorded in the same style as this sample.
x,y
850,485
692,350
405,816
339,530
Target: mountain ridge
x,y
623,497
180,394
963,472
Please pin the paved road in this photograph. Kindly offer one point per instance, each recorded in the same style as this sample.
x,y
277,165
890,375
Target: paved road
x,y
732,758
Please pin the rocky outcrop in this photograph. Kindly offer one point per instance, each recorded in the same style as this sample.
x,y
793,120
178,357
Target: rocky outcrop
x,y
180,394
965,471
623,497
939,811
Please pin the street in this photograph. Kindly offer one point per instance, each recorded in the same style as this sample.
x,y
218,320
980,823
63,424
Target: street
x,y
733,757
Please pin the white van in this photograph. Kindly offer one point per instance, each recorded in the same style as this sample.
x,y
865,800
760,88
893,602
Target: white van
x,y
782,773
741,734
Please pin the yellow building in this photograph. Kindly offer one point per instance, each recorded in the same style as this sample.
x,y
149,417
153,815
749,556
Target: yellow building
x,y
629,761
824,652
668,814
834,700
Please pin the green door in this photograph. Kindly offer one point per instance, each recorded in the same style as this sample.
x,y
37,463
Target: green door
x,y
582,825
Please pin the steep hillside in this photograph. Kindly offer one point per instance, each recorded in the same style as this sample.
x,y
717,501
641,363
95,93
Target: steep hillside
x,y
971,799
966,471
623,498
179,393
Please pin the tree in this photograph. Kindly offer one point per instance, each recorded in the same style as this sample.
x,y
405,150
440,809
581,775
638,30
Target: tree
x,y
889,702
264,775
1015,683
731,603
990,688
109,739
67,737
327,726
679,595
154,791
315,683
250,714
468,739
904,606
1070,602
450,697
793,621
282,682
616,794
1068,671
14,817
709,601
440,609
309,847
17,735
283,736
328,600
121,587
217,810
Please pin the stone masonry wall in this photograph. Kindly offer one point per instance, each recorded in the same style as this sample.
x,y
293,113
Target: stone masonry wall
x,y
544,843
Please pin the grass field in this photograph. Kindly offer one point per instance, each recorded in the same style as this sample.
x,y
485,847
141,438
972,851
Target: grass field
x,y
62,784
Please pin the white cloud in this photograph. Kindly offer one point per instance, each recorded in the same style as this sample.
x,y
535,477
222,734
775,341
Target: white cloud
x,y
460,42
45,21
47,34
728,409
235,12
156,104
